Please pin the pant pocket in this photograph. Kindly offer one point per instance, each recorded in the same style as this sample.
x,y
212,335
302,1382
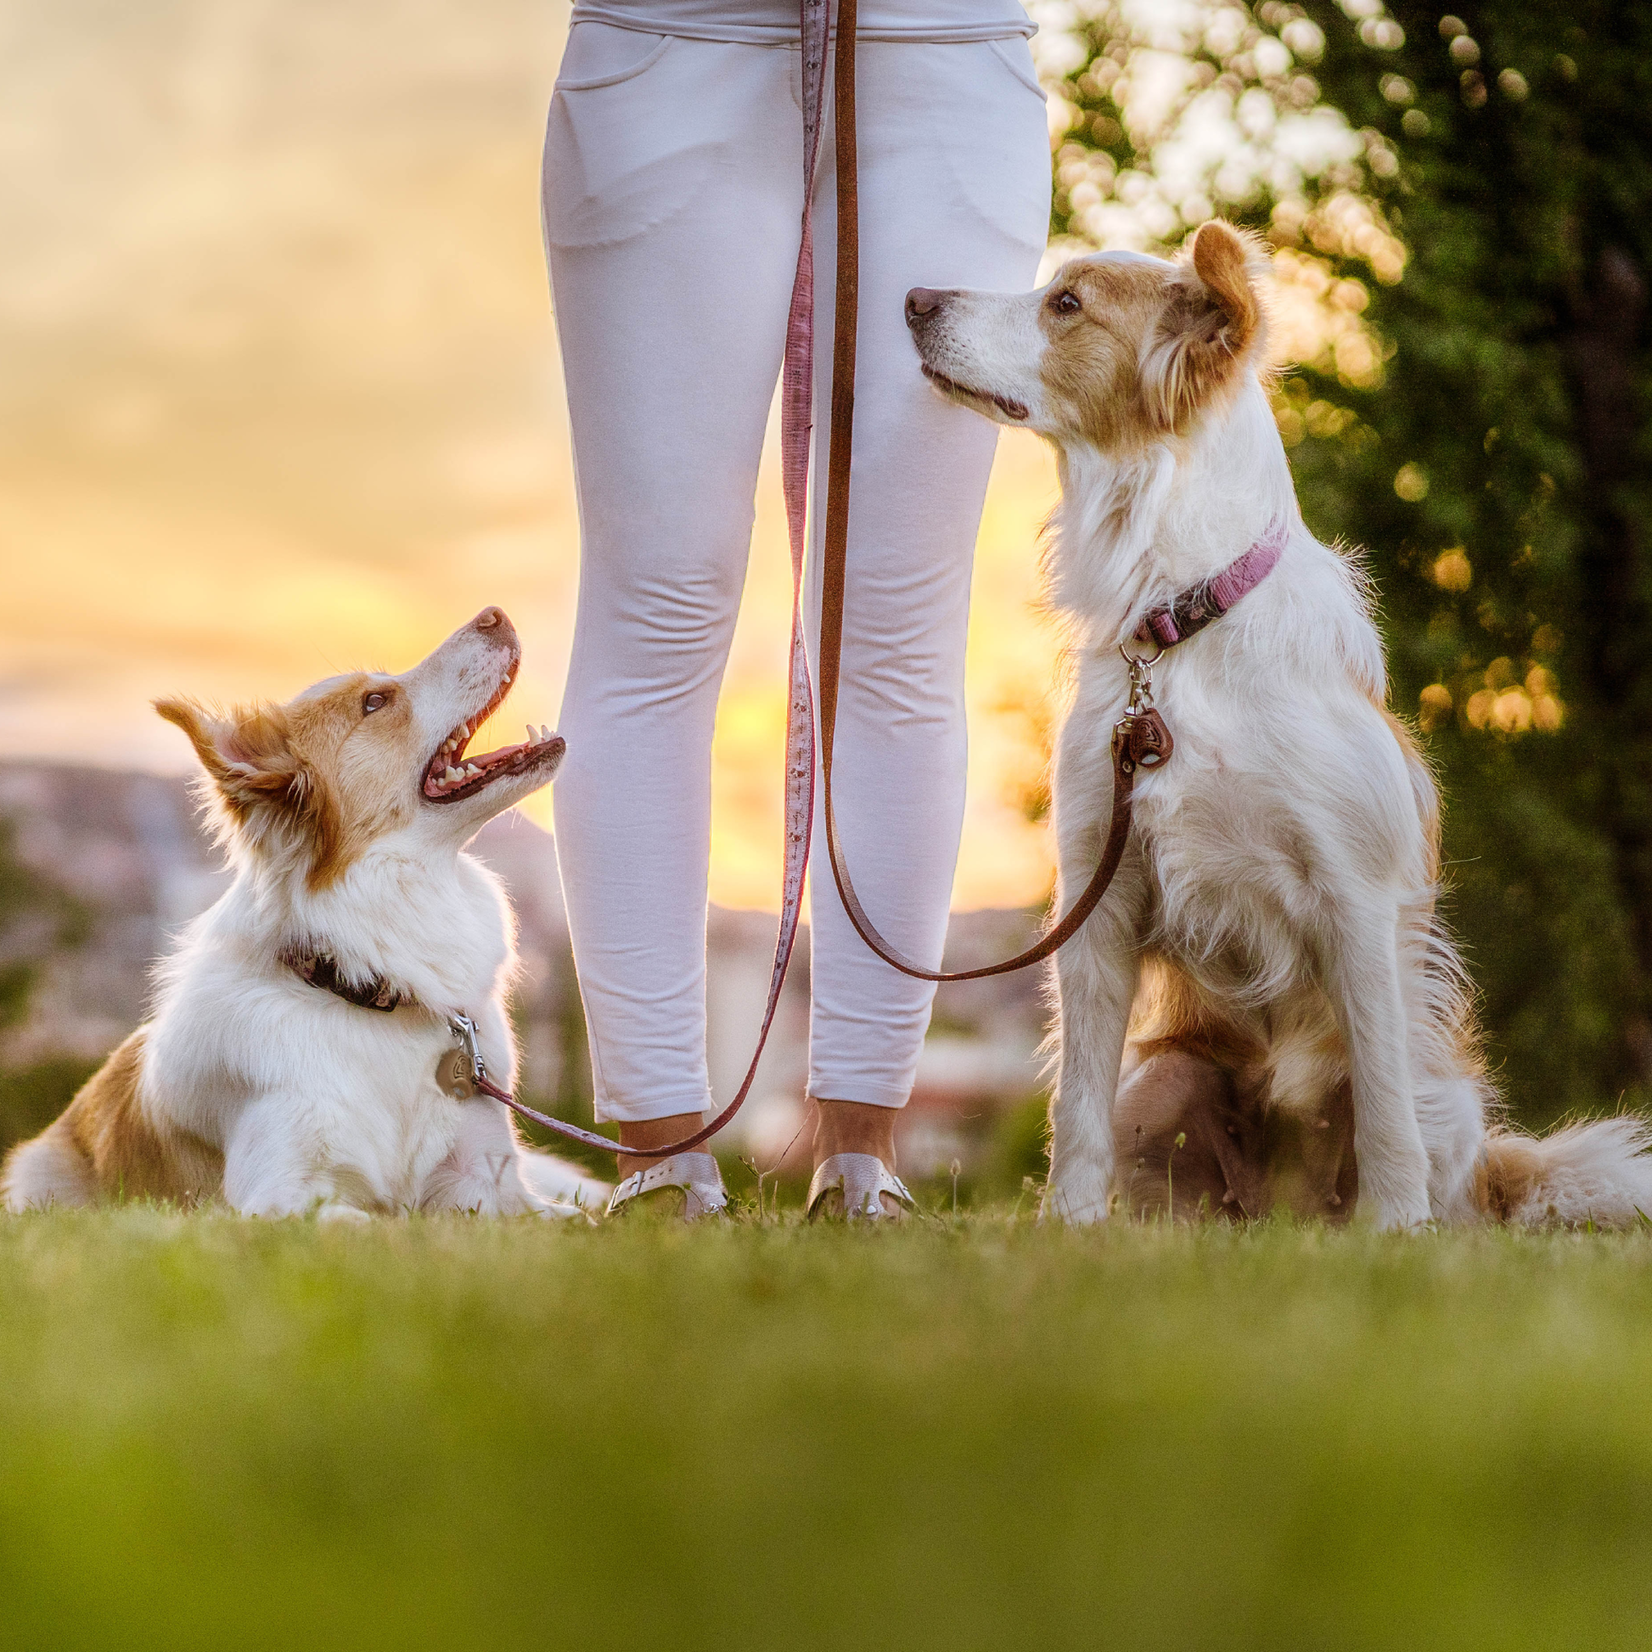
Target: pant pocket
x,y
997,146
1016,56
600,55
635,130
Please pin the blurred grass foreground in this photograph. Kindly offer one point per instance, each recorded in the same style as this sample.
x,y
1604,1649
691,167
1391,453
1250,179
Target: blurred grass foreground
x,y
971,1433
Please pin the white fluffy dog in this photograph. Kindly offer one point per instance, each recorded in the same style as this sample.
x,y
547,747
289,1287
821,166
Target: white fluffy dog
x,y
300,1058
1281,876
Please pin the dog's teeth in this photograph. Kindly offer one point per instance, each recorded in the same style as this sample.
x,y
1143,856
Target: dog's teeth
x,y
452,775
472,770
531,735
544,733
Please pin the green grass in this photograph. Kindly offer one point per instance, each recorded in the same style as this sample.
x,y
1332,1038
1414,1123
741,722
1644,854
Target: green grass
x,y
223,1434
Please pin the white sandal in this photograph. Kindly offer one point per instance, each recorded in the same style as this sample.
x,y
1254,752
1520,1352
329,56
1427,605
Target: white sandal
x,y
864,1180
695,1173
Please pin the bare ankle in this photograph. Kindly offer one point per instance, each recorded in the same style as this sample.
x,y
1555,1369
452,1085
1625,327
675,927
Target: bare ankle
x,y
655,1133
854,1127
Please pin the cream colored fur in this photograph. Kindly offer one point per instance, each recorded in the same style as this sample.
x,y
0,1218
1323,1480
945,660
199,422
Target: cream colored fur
x,y
1282,873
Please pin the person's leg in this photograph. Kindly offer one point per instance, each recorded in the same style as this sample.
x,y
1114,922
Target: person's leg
x,y
671,212
954,192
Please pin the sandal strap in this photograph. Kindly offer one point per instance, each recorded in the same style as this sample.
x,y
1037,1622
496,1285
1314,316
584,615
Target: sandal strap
x,y
864,1179
695,1173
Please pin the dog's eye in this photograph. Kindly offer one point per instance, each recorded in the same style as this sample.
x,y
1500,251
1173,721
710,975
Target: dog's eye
x,y
372,702
1066,304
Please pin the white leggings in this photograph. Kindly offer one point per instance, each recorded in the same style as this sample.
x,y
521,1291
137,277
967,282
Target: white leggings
x,y
672,203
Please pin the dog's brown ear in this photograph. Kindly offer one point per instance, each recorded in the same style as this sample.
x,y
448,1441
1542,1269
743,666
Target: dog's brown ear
x,y
246,753
1211,324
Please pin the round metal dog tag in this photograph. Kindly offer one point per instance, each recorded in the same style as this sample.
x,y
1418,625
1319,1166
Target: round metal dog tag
x,y
453,1076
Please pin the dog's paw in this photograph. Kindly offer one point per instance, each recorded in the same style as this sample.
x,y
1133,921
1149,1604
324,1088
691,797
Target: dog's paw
x,y
1398,1201
559,1182
1406,1210
1081,1202
1403,1218
562,1210
332,1211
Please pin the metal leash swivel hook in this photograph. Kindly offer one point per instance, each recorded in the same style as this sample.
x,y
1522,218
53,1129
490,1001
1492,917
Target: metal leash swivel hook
x,y
1140,738
1141,679
464,1034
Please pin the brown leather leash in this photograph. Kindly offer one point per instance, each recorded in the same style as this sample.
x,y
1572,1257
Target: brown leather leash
x,y
1140,740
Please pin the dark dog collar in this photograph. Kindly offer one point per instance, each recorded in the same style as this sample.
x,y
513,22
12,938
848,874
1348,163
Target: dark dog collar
x,y
320,969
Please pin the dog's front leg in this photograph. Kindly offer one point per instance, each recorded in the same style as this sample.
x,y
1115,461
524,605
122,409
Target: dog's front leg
x,y
482,1170
1096,974
1361,969
270,1165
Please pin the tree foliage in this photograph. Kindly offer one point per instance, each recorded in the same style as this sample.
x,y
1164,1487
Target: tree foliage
x,y
1460,206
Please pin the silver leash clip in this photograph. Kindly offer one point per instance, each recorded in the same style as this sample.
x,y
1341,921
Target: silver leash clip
x,y
464,1033
1141,680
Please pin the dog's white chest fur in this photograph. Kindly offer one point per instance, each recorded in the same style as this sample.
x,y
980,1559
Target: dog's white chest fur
x,y
315,1101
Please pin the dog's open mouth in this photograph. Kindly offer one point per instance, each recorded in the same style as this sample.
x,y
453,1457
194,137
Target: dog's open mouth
x,y
1010,408
451,773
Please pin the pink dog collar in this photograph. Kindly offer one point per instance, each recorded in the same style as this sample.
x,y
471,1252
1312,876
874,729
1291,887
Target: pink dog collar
x,y
1197,606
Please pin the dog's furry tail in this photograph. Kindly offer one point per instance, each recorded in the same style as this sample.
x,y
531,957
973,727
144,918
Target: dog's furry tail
x,y
1598,1172
49,1170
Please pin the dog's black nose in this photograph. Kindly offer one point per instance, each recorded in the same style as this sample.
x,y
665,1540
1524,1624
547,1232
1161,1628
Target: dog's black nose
x,y
921,303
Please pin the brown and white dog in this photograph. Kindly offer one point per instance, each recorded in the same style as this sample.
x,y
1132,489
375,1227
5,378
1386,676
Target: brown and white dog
x,y
1272,925
345,813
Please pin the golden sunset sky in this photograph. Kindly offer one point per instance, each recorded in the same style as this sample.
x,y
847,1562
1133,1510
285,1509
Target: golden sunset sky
x,y
280,396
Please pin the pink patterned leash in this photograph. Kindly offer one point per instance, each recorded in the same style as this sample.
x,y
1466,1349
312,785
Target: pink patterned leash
x,y
796,422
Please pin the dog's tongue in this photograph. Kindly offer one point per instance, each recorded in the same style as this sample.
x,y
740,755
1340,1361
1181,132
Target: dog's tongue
x,y
464,770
